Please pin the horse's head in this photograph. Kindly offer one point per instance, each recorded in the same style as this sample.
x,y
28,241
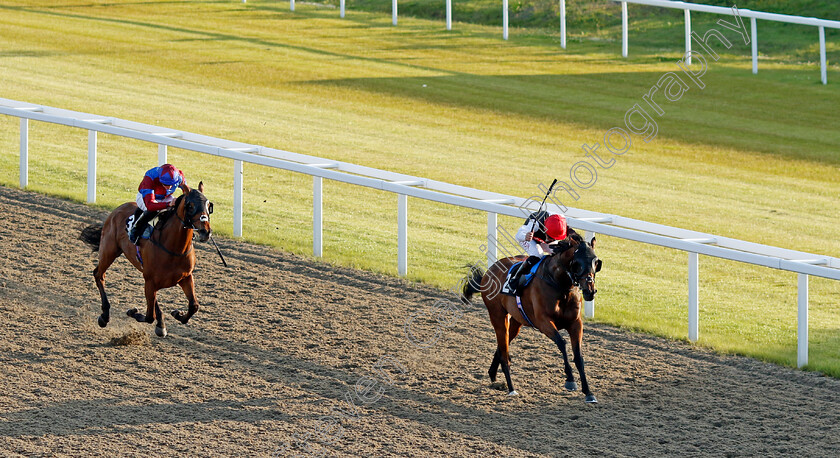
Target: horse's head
x,y
195,212
583,264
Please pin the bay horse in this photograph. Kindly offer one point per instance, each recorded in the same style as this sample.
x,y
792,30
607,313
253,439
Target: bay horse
x,y
166,259
551,302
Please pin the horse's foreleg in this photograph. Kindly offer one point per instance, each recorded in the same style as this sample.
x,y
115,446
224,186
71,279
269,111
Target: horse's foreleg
x,y
576,336
160,329
188,286
570,377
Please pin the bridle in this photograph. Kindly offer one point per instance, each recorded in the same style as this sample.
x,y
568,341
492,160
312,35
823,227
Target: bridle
x,y
574,278
584,278
189,223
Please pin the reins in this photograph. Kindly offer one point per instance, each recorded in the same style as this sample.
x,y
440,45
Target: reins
x,y
157,244
549,279
184,225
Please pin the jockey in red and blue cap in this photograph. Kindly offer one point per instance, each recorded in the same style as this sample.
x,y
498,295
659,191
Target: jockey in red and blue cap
x,y
155,194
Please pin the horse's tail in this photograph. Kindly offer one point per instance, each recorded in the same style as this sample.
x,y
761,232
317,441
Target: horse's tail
x,y
92,235
472,283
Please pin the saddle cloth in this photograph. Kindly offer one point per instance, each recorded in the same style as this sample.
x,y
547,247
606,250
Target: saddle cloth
x,y
509,289
147,232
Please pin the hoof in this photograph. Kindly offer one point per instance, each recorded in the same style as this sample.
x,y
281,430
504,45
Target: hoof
x,y
102,321
590,399
180,316
161,332
131,312
571,386
513,393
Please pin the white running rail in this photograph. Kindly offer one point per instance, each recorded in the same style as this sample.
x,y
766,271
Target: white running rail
x,y
692,242
821,25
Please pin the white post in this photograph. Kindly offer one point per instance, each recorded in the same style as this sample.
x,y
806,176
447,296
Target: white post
x,y
291,5
688,36
563,24
823,74
342,8
448,14
394,12
589,306
505,19
623,29
317,216
402,235
492,236
161,155
91,178
802,322
237,198
693,308
754,45
24,152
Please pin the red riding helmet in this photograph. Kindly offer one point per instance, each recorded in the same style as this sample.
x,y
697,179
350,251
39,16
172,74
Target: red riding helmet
x,y
555,227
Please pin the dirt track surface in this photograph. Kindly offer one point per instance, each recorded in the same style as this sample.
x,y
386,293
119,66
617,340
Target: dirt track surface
x,y
275,362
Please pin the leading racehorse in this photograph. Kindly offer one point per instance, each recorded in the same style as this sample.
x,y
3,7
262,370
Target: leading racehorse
x,y
166,259
550,303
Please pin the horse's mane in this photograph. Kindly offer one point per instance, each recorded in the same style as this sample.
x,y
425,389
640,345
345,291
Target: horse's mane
x,y
164,215
573,239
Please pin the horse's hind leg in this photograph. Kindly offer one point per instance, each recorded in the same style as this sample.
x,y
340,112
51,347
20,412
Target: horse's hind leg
x,y
107,255
151,304
494,366
188,286
576,336
503,349
513,331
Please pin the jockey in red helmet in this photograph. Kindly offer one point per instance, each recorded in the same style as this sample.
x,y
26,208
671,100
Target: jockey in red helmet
x,y
539,230
155,194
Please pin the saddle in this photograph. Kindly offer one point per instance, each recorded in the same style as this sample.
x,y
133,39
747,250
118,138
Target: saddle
x,y
511,290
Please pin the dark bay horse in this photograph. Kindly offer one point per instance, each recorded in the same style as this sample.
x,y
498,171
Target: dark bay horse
x,y
552,302
166,259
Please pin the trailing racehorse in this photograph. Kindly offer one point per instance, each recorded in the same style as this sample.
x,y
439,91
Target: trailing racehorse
x,y
550,303
166,259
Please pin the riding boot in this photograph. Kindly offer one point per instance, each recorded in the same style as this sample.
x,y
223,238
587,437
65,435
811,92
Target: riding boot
x,y
140,226
524,269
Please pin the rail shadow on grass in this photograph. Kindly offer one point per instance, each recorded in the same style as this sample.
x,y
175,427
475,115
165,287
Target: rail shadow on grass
x,y
736,109
197,34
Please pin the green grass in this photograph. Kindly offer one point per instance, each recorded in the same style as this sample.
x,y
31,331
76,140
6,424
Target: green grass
x,y
650,27
755,157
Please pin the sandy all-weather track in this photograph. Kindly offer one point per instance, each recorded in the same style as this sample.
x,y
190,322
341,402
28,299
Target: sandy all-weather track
x,y
281,342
